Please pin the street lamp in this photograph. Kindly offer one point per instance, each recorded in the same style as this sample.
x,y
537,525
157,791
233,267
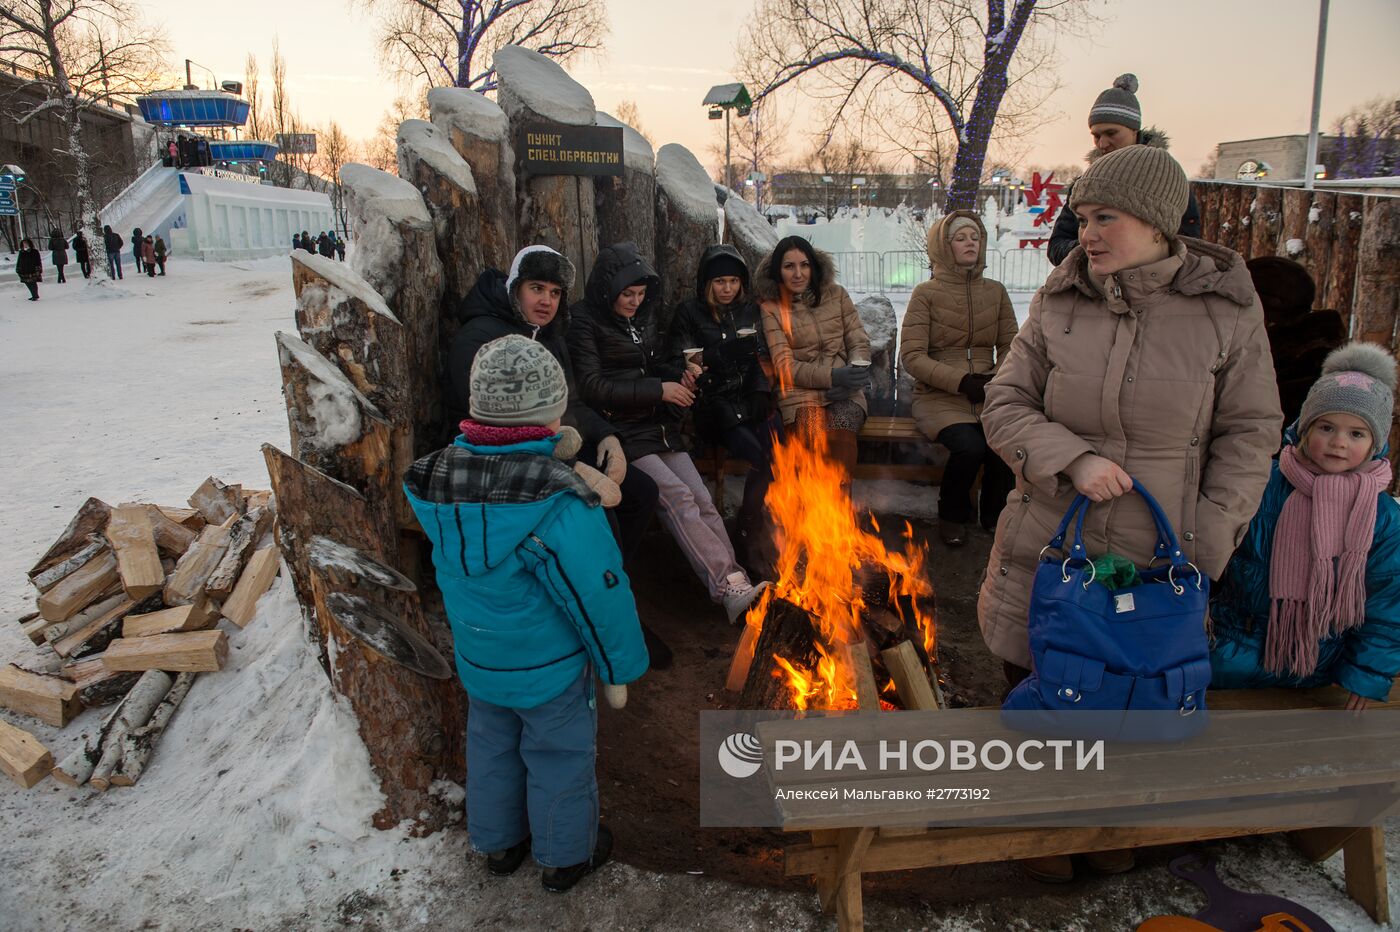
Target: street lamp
x,y
721,99
11,177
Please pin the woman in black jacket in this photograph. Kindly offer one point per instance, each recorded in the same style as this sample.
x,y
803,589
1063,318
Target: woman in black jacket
x,y
629,373
58,251
80,253
29,266
734,404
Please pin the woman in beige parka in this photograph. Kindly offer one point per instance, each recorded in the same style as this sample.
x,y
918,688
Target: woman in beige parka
x,y
955,324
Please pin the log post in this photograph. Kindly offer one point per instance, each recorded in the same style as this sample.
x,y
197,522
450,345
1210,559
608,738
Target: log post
x,y
1346,241
1378,286
477,128
1317,244
626,203
1229,216
554,210
747,231
1293,224
1267,222
427,159
396,253
687,221
1208,200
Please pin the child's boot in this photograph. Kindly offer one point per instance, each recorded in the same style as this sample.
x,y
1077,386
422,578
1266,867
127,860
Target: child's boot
x,y
507,862
561,879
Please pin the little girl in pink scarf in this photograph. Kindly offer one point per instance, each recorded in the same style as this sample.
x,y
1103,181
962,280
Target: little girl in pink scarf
x,y
1312,595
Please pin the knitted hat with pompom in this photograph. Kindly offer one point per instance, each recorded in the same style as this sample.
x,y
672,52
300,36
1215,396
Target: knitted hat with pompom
x,y
1358,379
1119,104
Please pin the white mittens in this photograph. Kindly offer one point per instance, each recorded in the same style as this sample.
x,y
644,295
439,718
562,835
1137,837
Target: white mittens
x,y
615,695
607,489
610,459
568,446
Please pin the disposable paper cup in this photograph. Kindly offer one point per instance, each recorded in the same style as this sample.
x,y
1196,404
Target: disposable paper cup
x,y
693,354
747,332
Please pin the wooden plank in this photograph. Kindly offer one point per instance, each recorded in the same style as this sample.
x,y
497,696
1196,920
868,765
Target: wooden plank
x,y
22,757
52,632
243,538
1319,844
70,642
910,677
867,693
133,541
91,519
55,574
185,652
850,911
51,699
77,590
907,472
257,578
217,502
186,584
172,537
193,617
1365,869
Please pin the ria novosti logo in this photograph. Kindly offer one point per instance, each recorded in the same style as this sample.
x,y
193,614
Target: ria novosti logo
x,y
740,755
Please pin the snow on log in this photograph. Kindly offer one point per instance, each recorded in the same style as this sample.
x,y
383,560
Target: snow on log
x,y
91,519
396,253
217,501
626,204
22,757
386,632
413,727
134,712
747,231
49,698
343,567
243,538
78,767
480,133
687,221
138,743
195,651
427,159
133,541
77,590
186,584
555,210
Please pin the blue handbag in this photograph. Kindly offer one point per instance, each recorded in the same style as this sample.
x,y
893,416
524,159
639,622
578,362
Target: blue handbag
x,y
1130,664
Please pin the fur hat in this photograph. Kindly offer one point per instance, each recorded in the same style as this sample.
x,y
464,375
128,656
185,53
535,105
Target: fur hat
x,y
1118,104
1358,379
1141,180
539,264
516,381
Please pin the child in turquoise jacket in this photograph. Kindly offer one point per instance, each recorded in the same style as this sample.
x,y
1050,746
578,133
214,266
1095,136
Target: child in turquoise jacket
x,y
534,590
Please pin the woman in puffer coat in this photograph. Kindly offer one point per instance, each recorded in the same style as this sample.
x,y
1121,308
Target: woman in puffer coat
x,y
733,407
629,374
819,349
954,324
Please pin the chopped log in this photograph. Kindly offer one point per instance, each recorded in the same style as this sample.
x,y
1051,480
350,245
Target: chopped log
x,y
747,231
138,743
217,502
626,204
185,517
406,271
1266,221
33,625
262,498
56,573
77,767
172,538
134,712
53,632
1377,299
90,520
256,579
89,672
477,128
186,584
413,727
22,757
1317,244
133,541
427,159
687,221
555,210
788,633
910,677
243,538
193,617
79,588
51,699
94,635
1346,241
188,651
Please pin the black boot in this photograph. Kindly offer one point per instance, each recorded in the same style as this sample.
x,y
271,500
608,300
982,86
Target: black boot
x,y
660,653
561,879
505,863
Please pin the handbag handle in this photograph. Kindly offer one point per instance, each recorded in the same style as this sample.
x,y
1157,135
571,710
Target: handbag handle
x,y
1168,548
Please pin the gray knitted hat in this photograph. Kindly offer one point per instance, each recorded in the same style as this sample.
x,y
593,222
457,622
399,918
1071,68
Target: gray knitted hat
x,y
1357,379
516,381
1118,104
1144,181
960,222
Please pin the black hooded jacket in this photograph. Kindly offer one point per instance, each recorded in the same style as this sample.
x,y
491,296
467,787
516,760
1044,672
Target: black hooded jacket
x,y
621,364
488,315
733,390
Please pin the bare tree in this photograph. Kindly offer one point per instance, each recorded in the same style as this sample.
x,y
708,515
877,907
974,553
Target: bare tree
x,y
381,150
257,119
628,112
79,52
454,42
334,149
759,142
916,64
1210,165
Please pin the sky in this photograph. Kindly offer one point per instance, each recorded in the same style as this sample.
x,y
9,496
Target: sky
x,y
1210,70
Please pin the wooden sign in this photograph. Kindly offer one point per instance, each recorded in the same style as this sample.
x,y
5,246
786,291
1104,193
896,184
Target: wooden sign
x,y
554,149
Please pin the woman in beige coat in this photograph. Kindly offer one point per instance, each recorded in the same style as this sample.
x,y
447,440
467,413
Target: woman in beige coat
x,y
819,350
954,324
1144,356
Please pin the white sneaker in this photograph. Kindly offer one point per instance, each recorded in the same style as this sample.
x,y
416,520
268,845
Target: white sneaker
x,y
738,594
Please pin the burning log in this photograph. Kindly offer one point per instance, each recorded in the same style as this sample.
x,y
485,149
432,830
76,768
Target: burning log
x,y
787,633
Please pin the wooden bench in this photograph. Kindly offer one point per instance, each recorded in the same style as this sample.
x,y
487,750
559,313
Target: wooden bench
x,y
837,857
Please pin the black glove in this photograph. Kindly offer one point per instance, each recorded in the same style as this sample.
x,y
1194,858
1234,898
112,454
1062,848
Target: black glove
x,y
731,351
840,393
975,387
850,377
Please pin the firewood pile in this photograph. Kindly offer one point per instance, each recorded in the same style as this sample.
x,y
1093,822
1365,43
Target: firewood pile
x,y
130,600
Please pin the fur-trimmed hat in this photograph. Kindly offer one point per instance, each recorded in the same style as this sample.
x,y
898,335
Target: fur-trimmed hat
x,y
516,381
1141,180
1118,104
540,264
1358,379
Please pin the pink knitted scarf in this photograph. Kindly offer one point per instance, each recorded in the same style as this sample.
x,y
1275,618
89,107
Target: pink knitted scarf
x,y
490,435
1317,574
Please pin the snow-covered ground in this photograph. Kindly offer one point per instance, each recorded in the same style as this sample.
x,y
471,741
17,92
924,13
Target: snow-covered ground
x,y
255,810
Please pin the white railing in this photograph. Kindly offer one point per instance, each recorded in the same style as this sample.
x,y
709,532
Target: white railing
x,y
901,270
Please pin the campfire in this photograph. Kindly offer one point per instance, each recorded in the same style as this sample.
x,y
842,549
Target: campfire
x,y
841,597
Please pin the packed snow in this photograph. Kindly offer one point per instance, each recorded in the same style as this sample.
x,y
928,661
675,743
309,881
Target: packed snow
x,y
747,224
472,113
636,151
686,184
335,403
534,83
371,190
431,144
342,277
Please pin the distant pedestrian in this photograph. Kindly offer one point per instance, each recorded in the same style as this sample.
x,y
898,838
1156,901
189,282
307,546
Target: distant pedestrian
x,y
80,253
58,251
29,266
296,241
340,248
148,256
136,238
324,245
173,151
160,254
112,242
307,243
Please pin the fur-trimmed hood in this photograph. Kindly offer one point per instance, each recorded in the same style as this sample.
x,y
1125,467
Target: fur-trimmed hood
x,y
1206,269
766,289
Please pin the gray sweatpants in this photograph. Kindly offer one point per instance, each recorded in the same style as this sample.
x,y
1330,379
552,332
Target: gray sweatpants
x,y
689,514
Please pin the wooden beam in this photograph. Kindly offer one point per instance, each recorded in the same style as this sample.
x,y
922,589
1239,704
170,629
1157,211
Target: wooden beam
x,y
910,677
185,652
71,641
133,541
257,578
186,584
867,693
22,757
1319,844
1365,869
90,520
78,589
51,699
217,502
193,617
